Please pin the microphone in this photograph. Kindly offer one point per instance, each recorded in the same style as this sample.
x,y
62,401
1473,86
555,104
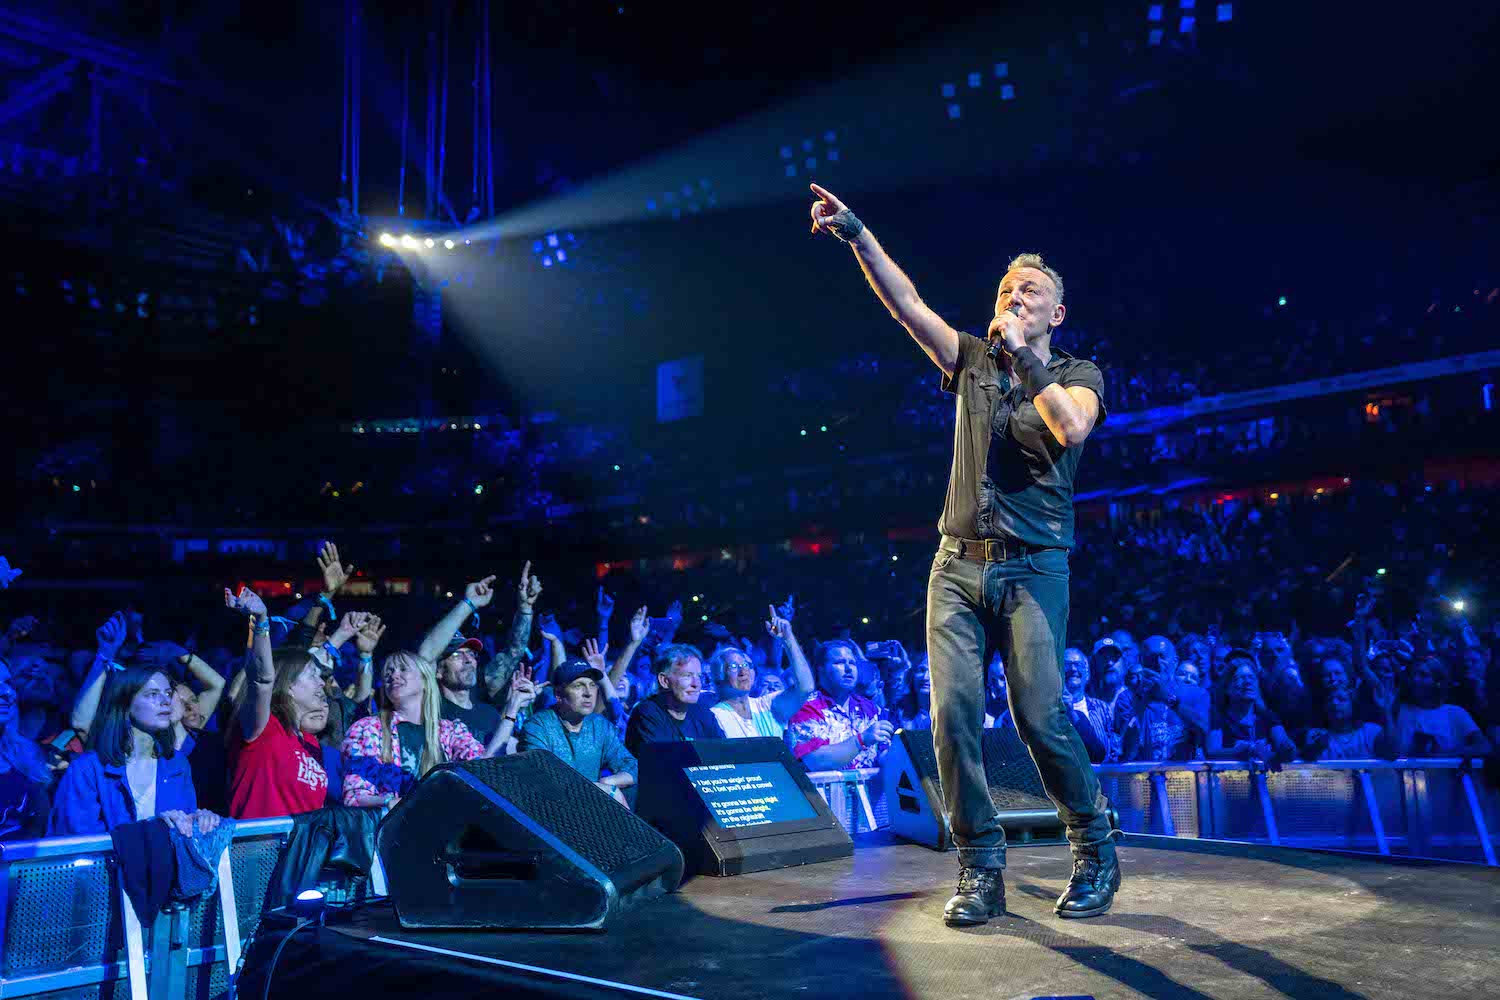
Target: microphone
x,y
995,345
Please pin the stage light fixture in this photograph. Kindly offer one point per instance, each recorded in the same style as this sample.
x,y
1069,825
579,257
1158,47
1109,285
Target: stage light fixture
x,y
803,432
408,241
478,488
1458,605
562,255
823,428
1185,25
429,243
467,242
975,79
308,904
1281,301
1226,12
864,621
1380,571
617,468
695,598
448,244
1155,37
387,240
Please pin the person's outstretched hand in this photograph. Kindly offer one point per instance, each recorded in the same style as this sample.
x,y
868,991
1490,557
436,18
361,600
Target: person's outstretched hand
x,y
335,573
480,593
825,208
246,602
529,589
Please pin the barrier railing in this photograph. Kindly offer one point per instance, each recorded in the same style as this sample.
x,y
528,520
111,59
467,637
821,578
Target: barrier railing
x,y
68,931
1429,806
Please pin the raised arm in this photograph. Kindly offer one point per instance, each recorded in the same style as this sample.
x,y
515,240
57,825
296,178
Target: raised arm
x,y
521,694
640,627
476,596
212,681
256,711
366,641
109,636
787,702
895,290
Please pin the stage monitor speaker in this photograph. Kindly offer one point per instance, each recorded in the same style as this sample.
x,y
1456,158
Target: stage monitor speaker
x,y
914,796
519,842
736,806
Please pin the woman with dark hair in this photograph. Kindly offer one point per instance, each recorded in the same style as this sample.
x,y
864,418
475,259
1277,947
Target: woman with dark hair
x,y
914,706
24,775
275,764
131,770
1243,726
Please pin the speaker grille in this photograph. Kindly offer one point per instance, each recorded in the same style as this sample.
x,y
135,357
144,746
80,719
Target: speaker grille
x,y
1008,768
548,790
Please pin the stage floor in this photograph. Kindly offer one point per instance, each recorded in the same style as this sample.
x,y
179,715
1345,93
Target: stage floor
x,y
1193,919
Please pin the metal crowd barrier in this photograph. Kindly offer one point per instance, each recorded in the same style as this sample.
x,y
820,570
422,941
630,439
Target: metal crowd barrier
x,y
1428,806
68,932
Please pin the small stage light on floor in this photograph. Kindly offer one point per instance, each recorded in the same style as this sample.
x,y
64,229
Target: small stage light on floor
x,y
387,240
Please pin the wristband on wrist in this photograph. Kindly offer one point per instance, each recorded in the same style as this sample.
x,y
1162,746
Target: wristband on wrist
x,y
366,657
327,602
332,651
472,606
263,627
845,225
1030,370
508,718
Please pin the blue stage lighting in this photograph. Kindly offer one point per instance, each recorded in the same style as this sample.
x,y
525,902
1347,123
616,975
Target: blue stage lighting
x,y
1226,12
791,170
1007,92
1185,4
552,239
811,163
1185,25
1002,70
807,145
650,204
546,261
1155,38
954,111
832,156
562,255
949,90
830,136
1153,13
975,79
786,152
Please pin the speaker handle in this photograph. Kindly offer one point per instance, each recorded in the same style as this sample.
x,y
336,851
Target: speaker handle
x,y
491,866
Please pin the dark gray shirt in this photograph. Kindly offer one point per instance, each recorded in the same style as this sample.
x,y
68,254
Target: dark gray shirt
x,y
1010,477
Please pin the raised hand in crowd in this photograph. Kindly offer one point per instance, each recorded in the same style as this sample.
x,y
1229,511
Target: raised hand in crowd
x,y
111,636
335,573
136,626
604,604
529,589
477,595
593,655
8,574
368,635
640,626
519,694
246,602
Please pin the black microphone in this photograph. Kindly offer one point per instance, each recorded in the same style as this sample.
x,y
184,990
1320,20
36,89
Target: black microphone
x,y
995,345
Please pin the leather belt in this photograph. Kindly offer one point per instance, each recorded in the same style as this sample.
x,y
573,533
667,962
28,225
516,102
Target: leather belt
x,y
987,549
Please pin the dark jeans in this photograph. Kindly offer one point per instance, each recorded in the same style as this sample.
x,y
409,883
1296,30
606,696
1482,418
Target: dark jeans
x,y
1019,606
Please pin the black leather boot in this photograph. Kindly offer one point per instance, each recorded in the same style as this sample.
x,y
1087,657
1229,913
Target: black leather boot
x,y
980,896
1096,877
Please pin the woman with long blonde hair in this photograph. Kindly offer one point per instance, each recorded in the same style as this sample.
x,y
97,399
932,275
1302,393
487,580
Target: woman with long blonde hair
x,y
385,754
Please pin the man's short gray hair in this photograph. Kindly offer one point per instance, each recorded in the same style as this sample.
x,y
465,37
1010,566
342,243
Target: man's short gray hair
x,y
1035,260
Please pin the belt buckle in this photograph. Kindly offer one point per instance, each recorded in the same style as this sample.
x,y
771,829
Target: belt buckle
x,y
994,550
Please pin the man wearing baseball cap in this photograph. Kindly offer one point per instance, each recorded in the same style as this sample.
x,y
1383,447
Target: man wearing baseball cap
x,y
587,742
457,659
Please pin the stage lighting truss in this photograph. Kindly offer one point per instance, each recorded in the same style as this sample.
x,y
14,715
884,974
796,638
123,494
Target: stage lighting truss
x,y
809,155
690,199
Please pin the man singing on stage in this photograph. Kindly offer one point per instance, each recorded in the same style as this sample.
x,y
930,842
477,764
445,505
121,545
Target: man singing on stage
x,y
1000,578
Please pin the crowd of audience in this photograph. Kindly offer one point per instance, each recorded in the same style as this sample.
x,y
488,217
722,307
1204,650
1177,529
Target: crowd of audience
x,y
1195,636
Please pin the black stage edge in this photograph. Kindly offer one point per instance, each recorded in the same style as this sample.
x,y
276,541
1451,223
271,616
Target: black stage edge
x,y
1193,920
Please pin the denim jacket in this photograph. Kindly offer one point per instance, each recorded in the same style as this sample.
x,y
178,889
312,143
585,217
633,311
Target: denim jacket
x,y
94,797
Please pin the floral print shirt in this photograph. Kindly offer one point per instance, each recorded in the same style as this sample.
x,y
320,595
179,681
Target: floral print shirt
x,y
821,722
366,774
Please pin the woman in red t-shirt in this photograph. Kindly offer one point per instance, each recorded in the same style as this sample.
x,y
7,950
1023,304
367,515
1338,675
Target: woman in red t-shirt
x,y
275,764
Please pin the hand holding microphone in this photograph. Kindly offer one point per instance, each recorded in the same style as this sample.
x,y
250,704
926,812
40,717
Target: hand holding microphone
x,y
1006,330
